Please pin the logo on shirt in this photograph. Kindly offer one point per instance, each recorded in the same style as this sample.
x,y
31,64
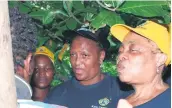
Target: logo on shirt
x,y
104,101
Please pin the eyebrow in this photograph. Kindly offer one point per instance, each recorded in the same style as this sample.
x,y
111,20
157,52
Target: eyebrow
x,y
130,42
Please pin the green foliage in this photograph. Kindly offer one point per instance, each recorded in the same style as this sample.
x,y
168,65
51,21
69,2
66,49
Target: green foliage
x,y
106,17
55,17
109,67
147,9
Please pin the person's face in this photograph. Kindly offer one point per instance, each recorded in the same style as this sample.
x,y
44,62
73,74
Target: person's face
x,y
85,57
43,72
136,62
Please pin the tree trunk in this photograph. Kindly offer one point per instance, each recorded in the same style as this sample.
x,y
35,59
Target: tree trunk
x,y
7,82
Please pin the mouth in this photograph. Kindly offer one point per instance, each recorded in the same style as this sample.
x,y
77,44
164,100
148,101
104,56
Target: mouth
x,y
42,80
120,67
78,70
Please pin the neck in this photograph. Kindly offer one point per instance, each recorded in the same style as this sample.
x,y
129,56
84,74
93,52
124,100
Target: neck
x,y
40,94
147,91
93,80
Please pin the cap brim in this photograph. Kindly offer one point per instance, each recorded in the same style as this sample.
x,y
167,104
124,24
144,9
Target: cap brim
x,y
119,31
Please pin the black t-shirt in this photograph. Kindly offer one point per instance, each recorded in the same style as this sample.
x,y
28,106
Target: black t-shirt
x,y
72,94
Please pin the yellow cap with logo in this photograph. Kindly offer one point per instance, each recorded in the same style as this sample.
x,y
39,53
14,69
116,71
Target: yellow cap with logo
x,y
151,30
45,51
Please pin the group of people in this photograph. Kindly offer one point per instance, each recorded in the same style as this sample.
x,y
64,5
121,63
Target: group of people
x,y
142,57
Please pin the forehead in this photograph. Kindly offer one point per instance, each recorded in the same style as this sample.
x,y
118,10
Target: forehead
x,y
42,57
80,41
134,38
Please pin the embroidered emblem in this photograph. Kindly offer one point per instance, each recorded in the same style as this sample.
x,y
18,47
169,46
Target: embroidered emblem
x,y
104,101
41,50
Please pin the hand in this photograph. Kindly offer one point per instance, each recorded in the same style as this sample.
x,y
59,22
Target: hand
x,y
124,104
27,71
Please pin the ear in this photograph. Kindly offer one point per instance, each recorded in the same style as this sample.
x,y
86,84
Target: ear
x,y
102,56
160,59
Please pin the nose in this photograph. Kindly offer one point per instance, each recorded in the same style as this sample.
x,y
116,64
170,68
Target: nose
x,y
78,61
42,72
122,56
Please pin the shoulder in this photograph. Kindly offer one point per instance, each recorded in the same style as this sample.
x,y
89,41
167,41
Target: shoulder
x,y
60,88
161,101
57,93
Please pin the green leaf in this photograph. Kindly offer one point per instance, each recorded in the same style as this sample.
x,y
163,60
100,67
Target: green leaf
x,y
106,17
119,2
42,40
60,12
86,10
109,67
38,14
71,24
167,18
48,18
78,5
109,3
89,17
25,7
12,3
144,8
68,6
52,44
54,5
58,33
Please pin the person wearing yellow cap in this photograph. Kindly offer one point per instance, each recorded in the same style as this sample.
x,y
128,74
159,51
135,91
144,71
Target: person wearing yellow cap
x,y
143,55
43,73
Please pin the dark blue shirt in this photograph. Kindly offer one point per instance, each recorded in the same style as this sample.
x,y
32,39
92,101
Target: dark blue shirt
x,y
104,94
161,101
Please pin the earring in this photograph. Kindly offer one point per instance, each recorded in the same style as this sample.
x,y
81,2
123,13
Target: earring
x,y
157,70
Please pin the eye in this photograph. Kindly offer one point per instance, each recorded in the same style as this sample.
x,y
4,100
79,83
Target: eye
x,y
36,69
120,49
48,69
72,54
84,55
134,50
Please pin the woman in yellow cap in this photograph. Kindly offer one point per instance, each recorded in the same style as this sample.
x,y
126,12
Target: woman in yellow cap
x,y
143,55
43,73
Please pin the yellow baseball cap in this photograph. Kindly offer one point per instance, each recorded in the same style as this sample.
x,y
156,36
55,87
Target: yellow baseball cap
x,y
151,30
45,51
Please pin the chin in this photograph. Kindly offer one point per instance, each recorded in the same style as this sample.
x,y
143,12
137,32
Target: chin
x,y
124,79
80,78
42,86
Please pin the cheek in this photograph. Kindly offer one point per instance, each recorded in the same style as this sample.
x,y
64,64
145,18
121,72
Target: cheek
x,y
49,75
134,67
71,60
92,63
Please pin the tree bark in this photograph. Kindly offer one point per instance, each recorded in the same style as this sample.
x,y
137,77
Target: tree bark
x,y
7,82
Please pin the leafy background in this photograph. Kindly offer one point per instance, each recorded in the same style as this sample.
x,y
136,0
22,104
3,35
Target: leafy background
x,y
54,17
